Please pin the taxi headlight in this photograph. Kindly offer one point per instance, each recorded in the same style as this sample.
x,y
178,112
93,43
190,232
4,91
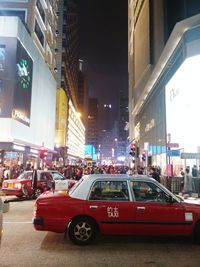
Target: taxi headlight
x,y
17,186
5,184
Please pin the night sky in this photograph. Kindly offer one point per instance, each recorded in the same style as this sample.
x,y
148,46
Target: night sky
x,y
104,47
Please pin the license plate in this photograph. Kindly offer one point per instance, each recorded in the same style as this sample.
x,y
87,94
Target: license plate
x,y
10,185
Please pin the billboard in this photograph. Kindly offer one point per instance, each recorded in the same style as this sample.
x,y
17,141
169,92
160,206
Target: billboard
x,y
90,152
16,67
182,106
23,86
61,117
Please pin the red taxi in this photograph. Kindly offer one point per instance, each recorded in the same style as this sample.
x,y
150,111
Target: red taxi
x,y
116,205
22,186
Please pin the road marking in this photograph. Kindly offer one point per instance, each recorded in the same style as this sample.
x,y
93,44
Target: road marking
x,y
16,222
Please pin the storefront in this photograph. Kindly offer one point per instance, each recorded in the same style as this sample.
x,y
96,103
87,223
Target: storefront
x,y
182,105
168,120
27,97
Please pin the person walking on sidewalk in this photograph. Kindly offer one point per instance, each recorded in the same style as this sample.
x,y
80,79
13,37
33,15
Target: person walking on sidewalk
x,y
187,188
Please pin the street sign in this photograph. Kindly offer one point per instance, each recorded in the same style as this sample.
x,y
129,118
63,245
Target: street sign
x,y
172,145
190,155
173,153
89,163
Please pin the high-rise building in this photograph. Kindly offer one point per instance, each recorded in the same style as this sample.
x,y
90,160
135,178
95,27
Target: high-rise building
x,y
122,139
92,137
106,137
40,19
28,31
82,94
70,131
106,117
163,80
27,97
68,53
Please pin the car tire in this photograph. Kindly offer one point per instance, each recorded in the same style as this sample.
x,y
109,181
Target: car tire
x,y
38,192
197,233
82,231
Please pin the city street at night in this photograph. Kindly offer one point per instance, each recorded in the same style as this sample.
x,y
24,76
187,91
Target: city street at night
x,y
99,134
23,246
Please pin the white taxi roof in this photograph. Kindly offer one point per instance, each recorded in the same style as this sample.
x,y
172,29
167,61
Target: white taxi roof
x,y
81,189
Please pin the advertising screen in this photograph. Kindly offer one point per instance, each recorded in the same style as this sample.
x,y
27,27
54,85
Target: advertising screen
x,y
23,86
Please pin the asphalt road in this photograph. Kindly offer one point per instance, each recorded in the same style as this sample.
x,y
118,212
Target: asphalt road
x,y
23,246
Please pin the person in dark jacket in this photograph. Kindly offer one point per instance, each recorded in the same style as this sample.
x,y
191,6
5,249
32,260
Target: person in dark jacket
x,y
34,182
155,174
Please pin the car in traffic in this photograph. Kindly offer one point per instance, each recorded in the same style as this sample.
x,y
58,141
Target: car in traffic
x,y
46,180
116,205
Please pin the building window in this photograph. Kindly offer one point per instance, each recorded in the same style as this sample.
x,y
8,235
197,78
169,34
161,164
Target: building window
x,y
16,13
41,10
1,86
2,57
39,33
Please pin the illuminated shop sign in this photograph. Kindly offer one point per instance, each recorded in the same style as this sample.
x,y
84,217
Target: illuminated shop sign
x,y
182,105
34,151
75,134
20,116
17,147
90,152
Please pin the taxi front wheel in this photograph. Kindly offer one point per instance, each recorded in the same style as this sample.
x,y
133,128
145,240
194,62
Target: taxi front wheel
x,y
82,231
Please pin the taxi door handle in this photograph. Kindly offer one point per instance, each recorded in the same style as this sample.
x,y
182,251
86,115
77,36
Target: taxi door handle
x,y
93,207
141,208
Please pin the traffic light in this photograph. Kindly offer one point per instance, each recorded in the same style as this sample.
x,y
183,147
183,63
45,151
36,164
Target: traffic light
x,y
132,151
43,152
144,156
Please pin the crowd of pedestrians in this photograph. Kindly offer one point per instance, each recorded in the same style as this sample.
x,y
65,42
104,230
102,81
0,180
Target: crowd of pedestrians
x,y
76,172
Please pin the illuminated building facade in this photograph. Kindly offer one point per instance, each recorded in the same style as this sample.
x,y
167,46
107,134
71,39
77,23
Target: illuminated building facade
x,y
160,81
68,51
40,19
122,141
75,137
27,97
70,113
31,99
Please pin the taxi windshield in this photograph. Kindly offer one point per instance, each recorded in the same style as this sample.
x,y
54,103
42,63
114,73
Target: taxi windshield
x,y
25,175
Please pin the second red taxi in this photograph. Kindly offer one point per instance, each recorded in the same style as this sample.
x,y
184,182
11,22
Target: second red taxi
x,y
22,186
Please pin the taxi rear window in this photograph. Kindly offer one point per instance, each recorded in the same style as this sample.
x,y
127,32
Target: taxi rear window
x,y
73,188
